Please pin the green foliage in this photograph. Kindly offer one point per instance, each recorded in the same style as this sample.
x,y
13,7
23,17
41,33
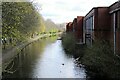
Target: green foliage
x,y
100,59
69,42
50,26
19,19
71,47
43,27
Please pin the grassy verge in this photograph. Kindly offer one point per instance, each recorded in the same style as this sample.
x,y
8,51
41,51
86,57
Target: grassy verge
x,y
98,59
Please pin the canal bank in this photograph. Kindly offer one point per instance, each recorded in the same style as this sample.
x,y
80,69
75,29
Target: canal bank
x,y
8,56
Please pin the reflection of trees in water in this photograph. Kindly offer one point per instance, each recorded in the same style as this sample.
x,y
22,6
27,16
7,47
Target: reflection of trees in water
x,y
29,55
13,66
53,39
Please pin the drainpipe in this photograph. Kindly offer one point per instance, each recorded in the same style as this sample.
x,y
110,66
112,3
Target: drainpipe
x,y
84,32
114,26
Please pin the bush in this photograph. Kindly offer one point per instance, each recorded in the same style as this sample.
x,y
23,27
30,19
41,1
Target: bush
x,y
70,46
100,59
69,42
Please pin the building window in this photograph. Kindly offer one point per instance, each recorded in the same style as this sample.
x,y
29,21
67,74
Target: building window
x,y
118,20
93,22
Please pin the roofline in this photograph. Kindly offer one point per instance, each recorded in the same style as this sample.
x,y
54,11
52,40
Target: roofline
x,y
113,4
74,19
114,10
80,16
95,8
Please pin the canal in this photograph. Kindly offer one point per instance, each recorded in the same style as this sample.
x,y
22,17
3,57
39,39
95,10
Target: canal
x,y
44,58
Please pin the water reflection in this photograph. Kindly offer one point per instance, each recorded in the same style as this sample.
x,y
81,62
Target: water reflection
x,y
46,59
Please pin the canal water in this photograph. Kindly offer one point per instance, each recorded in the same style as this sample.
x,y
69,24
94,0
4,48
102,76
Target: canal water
x,y
44,58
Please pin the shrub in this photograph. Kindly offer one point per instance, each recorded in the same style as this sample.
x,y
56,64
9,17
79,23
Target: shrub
x,y
100,59
69,42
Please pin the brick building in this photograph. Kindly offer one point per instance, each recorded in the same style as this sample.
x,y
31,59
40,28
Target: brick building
x,y
79,29
114,11
96,24
69,27
74,24
100,23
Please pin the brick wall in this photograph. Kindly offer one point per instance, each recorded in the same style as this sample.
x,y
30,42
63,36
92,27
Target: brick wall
x,y
79,28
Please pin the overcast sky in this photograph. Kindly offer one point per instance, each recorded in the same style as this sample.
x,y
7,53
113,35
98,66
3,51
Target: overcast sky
x,y
61,11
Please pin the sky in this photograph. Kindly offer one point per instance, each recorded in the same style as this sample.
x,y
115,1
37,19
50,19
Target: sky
x,y
63,11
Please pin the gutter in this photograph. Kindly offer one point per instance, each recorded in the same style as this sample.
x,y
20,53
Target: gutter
x,y
114,10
